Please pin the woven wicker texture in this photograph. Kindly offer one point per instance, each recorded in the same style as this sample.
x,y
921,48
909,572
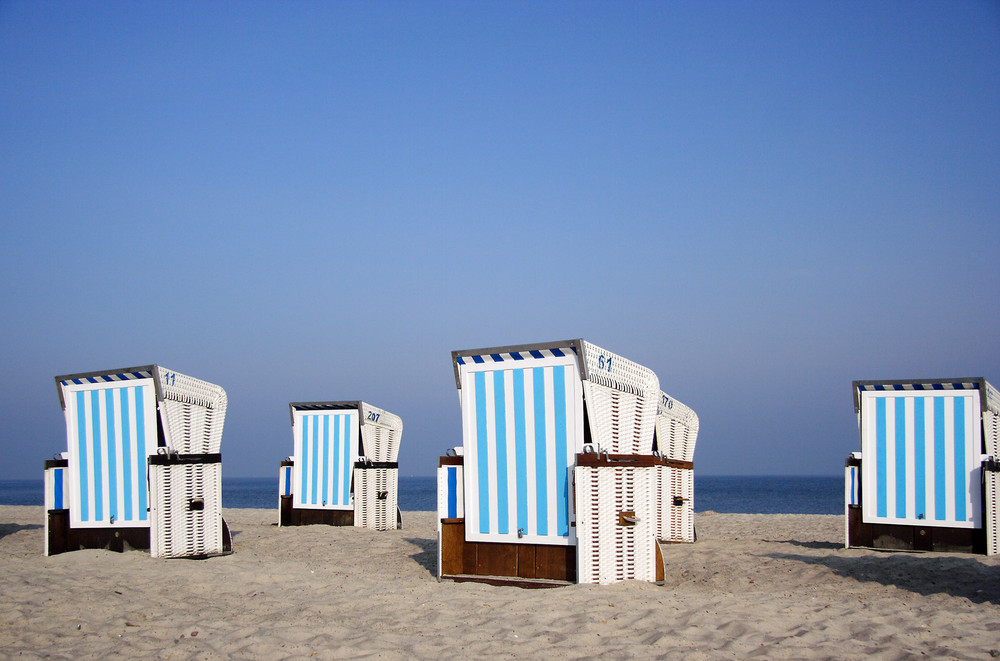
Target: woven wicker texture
x,y
177,529
674,489
193,414
621,399
609,551
371,511
992,399
676,429
381,433
992,482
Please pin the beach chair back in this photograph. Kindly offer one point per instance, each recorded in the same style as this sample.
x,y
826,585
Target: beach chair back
x,y
676,429
325,440
921,445
111,430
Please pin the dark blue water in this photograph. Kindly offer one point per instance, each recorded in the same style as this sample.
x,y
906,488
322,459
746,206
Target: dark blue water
x,y
752,495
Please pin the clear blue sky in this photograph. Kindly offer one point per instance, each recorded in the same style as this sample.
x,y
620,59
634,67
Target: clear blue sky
x,y
761,201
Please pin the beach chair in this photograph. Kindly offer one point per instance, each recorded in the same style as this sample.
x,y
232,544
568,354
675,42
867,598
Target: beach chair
x,y
143,467
926,477
344,469
556,480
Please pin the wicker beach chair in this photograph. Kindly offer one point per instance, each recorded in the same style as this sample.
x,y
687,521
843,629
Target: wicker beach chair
x,y
927,474
344,469
556,480
143,467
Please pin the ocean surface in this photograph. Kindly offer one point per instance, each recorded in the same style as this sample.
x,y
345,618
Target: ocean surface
x,y
751,495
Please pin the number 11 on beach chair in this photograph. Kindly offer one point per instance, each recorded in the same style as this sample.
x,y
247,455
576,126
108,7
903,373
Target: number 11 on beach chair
x,y
143,466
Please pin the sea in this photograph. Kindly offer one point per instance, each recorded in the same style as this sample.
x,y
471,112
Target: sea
x,y
733,494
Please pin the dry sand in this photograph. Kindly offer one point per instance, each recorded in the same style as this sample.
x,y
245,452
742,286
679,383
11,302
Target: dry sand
x,y
764,586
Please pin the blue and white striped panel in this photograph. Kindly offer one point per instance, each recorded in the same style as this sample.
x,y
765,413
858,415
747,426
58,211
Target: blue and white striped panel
x,y
922,458
537,354
852,485
325,452
522,428
56,488
451,496
111,431
285,481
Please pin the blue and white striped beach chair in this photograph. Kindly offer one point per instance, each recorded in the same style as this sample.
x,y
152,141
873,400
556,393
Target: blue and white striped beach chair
x,y
556,461
927,474
143,467
344,469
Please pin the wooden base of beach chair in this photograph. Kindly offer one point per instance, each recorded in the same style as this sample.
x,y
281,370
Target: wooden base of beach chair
x,y
529,565
912,538
62,538
293,516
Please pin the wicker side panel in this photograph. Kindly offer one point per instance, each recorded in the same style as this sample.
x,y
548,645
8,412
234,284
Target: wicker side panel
x,y
674,494
620,422
676,429
380,443
375,498
195,413
615,534
992,482
621,401
185,510
991,433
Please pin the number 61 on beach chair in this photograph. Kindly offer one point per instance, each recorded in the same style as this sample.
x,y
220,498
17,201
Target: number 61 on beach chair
x,y
561,476
143,466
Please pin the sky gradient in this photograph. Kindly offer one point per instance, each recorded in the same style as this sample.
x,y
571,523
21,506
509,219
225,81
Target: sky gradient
x,y
320,201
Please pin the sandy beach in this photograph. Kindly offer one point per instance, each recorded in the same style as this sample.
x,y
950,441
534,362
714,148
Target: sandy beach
x,y
764,586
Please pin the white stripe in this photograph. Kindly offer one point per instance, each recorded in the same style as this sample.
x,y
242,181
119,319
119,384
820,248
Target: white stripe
x,y
491,446
511,445
911,460
529,444
929,458
550,453
890,458
949,457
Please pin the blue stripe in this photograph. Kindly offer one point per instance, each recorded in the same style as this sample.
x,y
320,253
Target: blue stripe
x,y
854,485
127,476
940,502
461,361
541,467
500,427
961,487
345,486
496,357
919,459
482,453
57,476
95,424
516,355
520,447
901,457
557,353
562,481
81,448
288,480
109,409
315,459
536,354
140,455
338,469
478,359
452,492
326,459
881,501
